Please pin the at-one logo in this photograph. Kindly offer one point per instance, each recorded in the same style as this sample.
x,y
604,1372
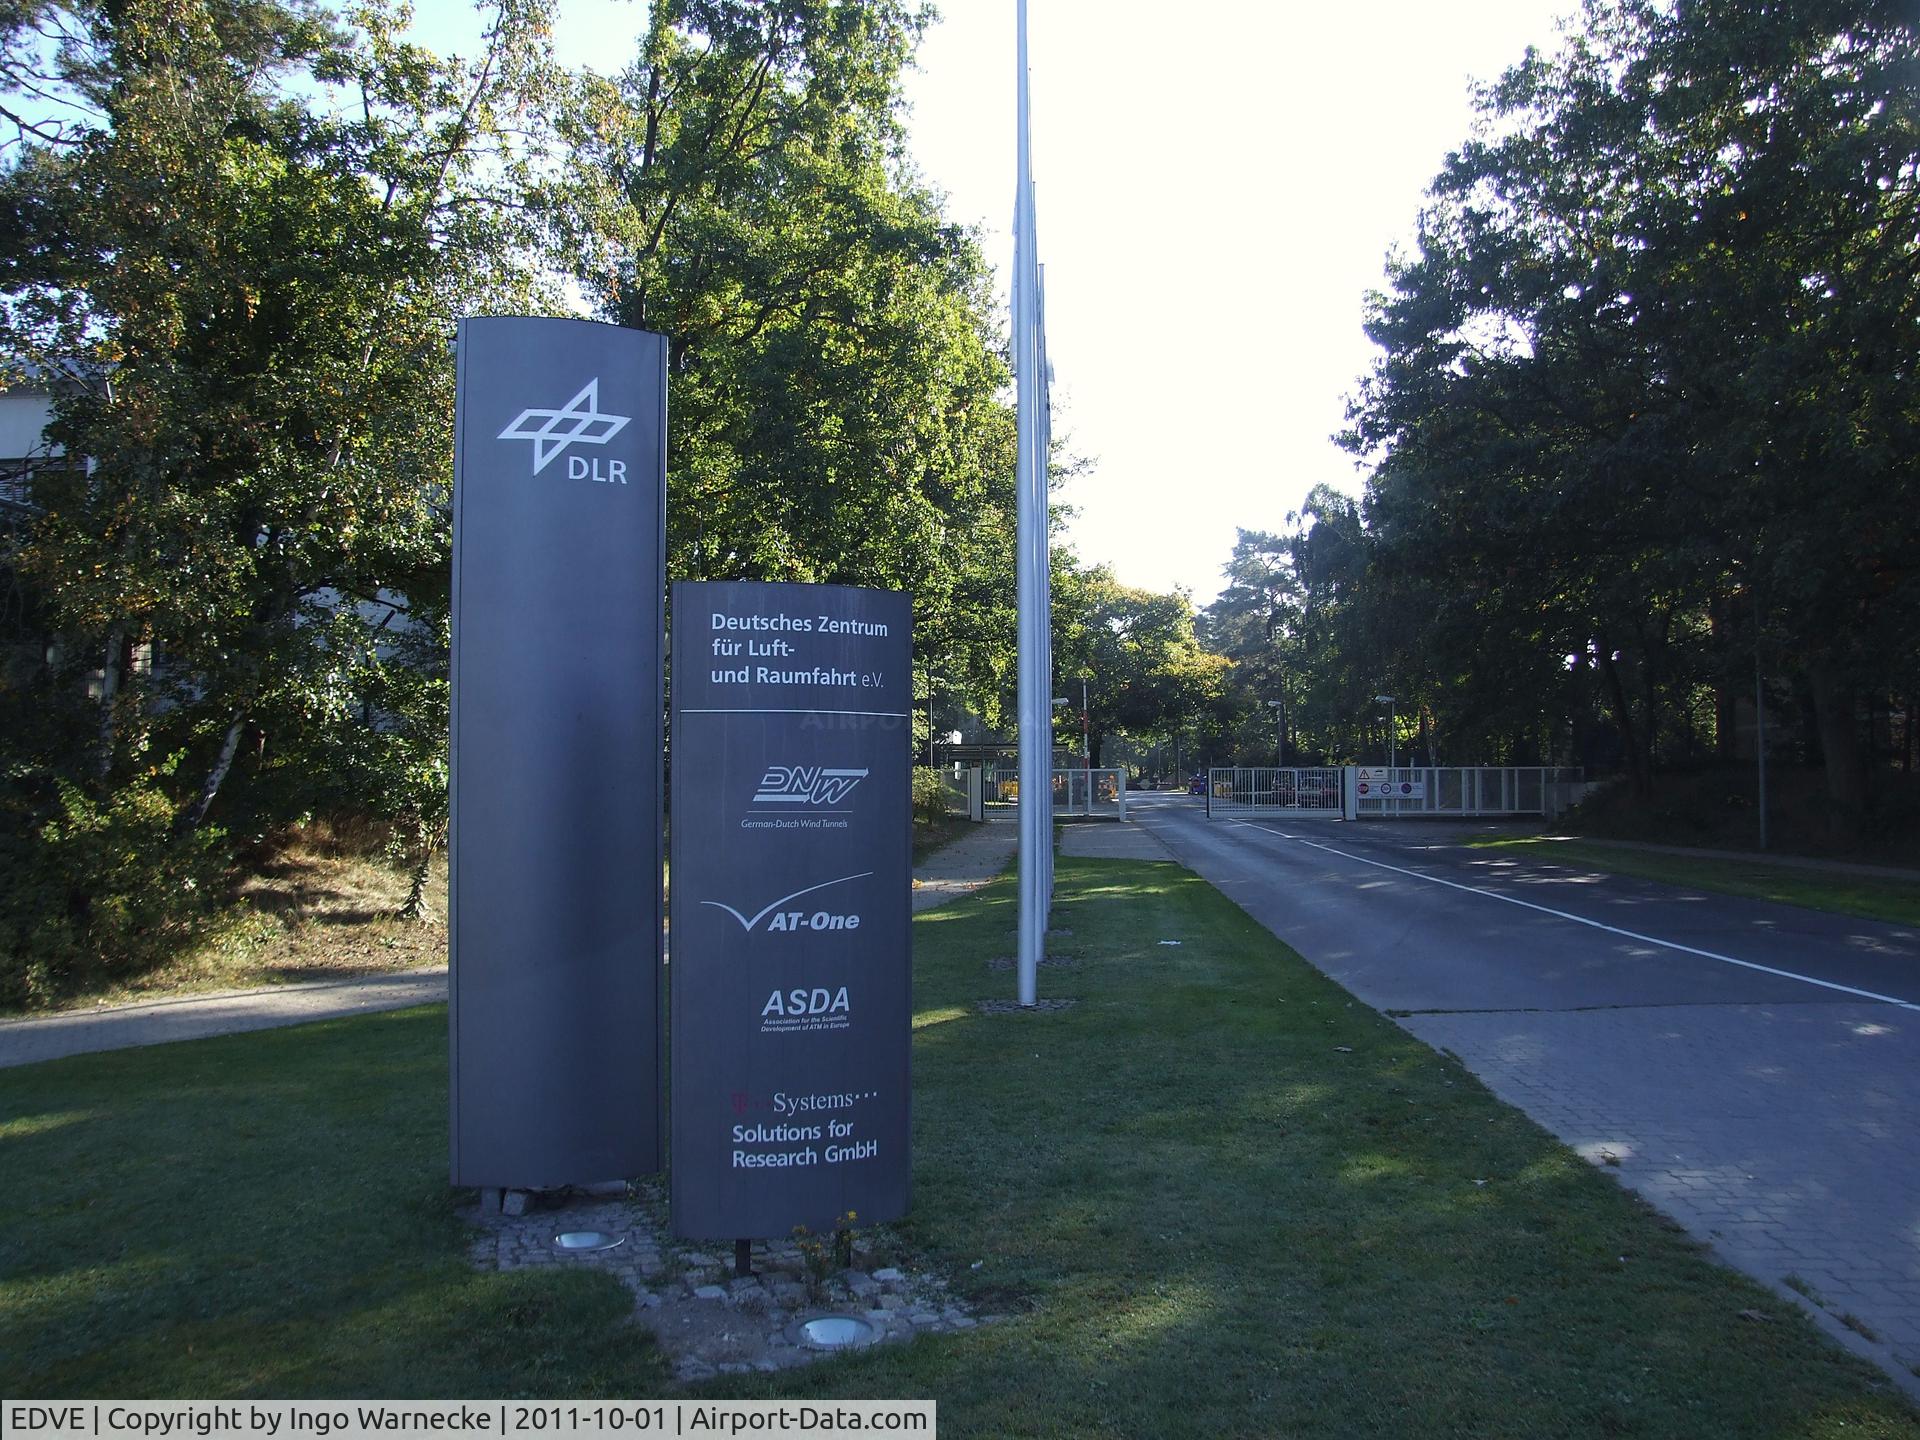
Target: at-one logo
x,y
791,920
806,785
580,421
806,1008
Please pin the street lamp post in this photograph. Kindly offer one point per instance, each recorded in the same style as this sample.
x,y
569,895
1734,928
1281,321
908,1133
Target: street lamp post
x,y
1086,752
1060,702
1280,733
1393,729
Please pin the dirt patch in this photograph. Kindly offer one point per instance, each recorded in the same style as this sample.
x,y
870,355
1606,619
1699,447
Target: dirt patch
x,y
315,908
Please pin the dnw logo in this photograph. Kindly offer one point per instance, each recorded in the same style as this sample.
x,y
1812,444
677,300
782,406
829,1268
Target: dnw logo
x,y
797,919
580,421
806,785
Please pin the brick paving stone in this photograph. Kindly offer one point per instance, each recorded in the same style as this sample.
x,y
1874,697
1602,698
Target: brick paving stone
x,y
1788,1136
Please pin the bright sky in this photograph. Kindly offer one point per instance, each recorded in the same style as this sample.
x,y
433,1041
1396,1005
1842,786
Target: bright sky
x,y
1216,196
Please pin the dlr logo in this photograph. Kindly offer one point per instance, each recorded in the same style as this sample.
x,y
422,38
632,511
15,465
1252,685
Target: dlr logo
x,y
579,467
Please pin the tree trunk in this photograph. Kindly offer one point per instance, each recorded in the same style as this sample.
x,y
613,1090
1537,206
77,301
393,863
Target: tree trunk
x,y
1834,714
1812,756
1726,717
109,691
1635,746
1725,723
192,817
415,907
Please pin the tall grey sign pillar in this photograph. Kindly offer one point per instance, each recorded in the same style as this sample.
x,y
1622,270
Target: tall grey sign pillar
x,y
558,558
791,959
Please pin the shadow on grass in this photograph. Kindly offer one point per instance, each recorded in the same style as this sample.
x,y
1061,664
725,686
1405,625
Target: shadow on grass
x,y
1219,1197
268,1215
1215,1197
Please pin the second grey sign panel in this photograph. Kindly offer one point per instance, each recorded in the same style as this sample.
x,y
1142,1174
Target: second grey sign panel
x,y
791,965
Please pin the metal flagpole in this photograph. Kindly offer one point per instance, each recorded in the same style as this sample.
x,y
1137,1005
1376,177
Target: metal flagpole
x,y
1035,695
1043,537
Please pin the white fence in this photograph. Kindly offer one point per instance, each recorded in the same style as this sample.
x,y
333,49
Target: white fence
x,y
1315,790
1362,792
1075,792
1465,790
966,791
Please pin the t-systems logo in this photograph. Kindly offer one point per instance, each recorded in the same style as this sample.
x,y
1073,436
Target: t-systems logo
x,y
580,421
806,1008
792,921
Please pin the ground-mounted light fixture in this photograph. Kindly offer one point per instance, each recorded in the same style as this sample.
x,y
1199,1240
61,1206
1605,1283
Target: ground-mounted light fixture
x,y
588,1240
833,1332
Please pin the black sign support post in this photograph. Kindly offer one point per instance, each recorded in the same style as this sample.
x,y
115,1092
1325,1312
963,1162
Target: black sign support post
x,y
791,958
559,489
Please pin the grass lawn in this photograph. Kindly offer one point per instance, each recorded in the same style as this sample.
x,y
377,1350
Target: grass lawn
x,y
1216,1197
268,1215
1877,898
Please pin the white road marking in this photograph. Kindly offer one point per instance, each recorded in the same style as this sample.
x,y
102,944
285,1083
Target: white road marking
x,y
1583,920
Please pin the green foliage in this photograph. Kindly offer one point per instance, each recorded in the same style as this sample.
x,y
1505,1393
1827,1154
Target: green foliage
x,y
837,408
1200,1216
98,889
821,1255
252,298
1136,652
238,261
931,796
1195,1212
1648,402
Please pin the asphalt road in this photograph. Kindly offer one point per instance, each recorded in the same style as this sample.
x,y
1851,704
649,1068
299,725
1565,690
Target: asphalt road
x,y
1753,1069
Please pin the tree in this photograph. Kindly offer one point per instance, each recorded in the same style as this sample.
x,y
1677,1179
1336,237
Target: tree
x,y
258,294
1651,371
837,412
1144,670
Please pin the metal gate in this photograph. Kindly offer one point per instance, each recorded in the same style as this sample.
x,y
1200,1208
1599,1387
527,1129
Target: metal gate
x,y
1075,792
1465,790
1247,790
1361,792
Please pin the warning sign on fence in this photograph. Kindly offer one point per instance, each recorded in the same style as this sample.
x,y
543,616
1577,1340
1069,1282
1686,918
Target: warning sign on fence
x,y
1380,783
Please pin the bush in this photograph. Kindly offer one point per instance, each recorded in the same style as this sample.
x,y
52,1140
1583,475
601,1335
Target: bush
x,y
98,889
931,797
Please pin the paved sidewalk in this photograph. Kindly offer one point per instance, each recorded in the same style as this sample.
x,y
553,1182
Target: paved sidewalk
x,y
956,869
1112,840
964,865
227,1012
1669,1036
1749,1125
